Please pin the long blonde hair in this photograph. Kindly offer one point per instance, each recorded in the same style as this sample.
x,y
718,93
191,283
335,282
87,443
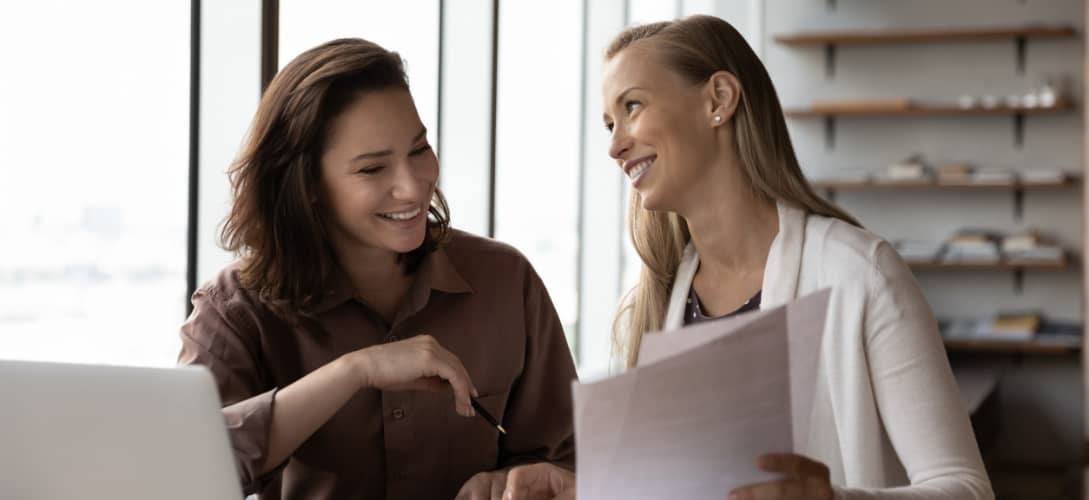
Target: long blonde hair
x,y
695,48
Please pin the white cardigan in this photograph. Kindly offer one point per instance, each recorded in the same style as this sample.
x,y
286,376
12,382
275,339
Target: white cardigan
x,y
886,408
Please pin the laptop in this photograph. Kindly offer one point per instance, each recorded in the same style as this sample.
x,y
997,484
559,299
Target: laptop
x,y
108,432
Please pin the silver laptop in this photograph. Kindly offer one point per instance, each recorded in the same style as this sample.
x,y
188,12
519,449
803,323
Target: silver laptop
x,y
105,432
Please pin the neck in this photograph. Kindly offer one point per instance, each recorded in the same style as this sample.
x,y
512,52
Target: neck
x,y
732,226
371,271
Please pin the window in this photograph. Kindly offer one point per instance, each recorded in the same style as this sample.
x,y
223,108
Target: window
x,y
652,11
94,138
537,142
408,27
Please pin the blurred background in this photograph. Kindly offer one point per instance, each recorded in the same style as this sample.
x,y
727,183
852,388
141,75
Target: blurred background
x,y
953,128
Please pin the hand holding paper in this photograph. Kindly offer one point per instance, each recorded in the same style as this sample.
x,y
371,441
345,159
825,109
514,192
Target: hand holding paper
x,y
703,403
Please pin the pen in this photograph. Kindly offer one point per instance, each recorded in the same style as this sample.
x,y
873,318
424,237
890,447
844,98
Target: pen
x,y
487,416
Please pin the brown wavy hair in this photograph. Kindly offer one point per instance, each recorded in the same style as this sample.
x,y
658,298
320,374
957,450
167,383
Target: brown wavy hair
x,y
695,48
274,226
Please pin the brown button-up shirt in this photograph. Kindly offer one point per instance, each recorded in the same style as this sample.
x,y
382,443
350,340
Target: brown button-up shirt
x,y
479,298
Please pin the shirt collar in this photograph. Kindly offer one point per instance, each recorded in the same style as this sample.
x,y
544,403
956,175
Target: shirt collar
x,y
436,272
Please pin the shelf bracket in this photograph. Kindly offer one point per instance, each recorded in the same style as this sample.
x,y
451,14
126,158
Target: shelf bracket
x,y
830,132
1021,45
1018,204
1018,130
1018,280
830,61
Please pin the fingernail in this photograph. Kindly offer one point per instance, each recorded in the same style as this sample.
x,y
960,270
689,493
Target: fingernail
x,y
476,394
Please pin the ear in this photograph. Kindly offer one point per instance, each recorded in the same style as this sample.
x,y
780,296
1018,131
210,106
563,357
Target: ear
x,y
723,91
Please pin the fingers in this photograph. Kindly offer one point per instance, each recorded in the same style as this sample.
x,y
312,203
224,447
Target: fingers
x,y
455,375
793,465
540,481
517,480
498,484
784,489
446,365
478,487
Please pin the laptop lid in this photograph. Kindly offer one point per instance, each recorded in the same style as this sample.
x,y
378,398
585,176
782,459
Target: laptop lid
x,y
108,432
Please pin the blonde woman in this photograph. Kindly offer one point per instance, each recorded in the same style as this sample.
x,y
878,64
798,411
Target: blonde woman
x,y
724,222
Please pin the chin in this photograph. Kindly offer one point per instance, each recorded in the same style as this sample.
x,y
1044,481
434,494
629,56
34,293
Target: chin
x,y
406,245
652,203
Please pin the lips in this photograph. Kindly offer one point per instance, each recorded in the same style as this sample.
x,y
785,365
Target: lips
x,y
635,168
405,215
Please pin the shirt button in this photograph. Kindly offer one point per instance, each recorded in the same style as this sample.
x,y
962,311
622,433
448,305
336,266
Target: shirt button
x,y
398,414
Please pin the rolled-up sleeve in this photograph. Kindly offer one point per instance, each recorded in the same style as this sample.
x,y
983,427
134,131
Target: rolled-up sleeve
x,y
211,338
541,399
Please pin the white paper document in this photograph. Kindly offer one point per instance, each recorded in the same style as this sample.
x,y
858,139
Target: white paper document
x,y
702,404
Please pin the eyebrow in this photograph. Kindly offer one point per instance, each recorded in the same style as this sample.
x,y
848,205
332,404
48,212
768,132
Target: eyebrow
x,y
387,152
624,93
619,98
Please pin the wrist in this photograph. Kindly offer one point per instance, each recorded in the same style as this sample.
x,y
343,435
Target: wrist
x,y
357,364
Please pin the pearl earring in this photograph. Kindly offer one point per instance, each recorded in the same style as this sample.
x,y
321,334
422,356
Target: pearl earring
x,y
718,119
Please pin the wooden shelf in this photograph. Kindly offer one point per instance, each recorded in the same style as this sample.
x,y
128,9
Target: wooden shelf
x,y
1063,265
830,112
1017,188
925,110
874,37
1012,347
833,185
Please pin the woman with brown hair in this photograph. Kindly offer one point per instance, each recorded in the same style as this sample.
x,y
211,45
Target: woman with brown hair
x,y
355,311
725,222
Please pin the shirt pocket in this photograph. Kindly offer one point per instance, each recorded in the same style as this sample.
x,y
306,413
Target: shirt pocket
x,y
474,443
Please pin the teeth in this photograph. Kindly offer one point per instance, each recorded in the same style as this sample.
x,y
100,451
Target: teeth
x,y
402,215
639,168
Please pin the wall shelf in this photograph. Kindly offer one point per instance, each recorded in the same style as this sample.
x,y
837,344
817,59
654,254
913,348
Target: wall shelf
x,y
834,185
1066,264
1016,188
831,187
936,35
1018,268
1011,347
918,110
1019,35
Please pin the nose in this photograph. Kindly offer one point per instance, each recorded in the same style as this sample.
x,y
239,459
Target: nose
x,y
407,185
621,143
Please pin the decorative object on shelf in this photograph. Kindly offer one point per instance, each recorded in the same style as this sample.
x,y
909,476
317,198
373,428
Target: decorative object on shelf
x,y
993,177
1012,332
980,250
919,251
1029,246
972,246
1044,176
988,105
1048,95
987,180
911,169
955,173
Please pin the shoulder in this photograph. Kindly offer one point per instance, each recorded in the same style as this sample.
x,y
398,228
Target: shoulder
x,y
470,253
850,253
225,295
